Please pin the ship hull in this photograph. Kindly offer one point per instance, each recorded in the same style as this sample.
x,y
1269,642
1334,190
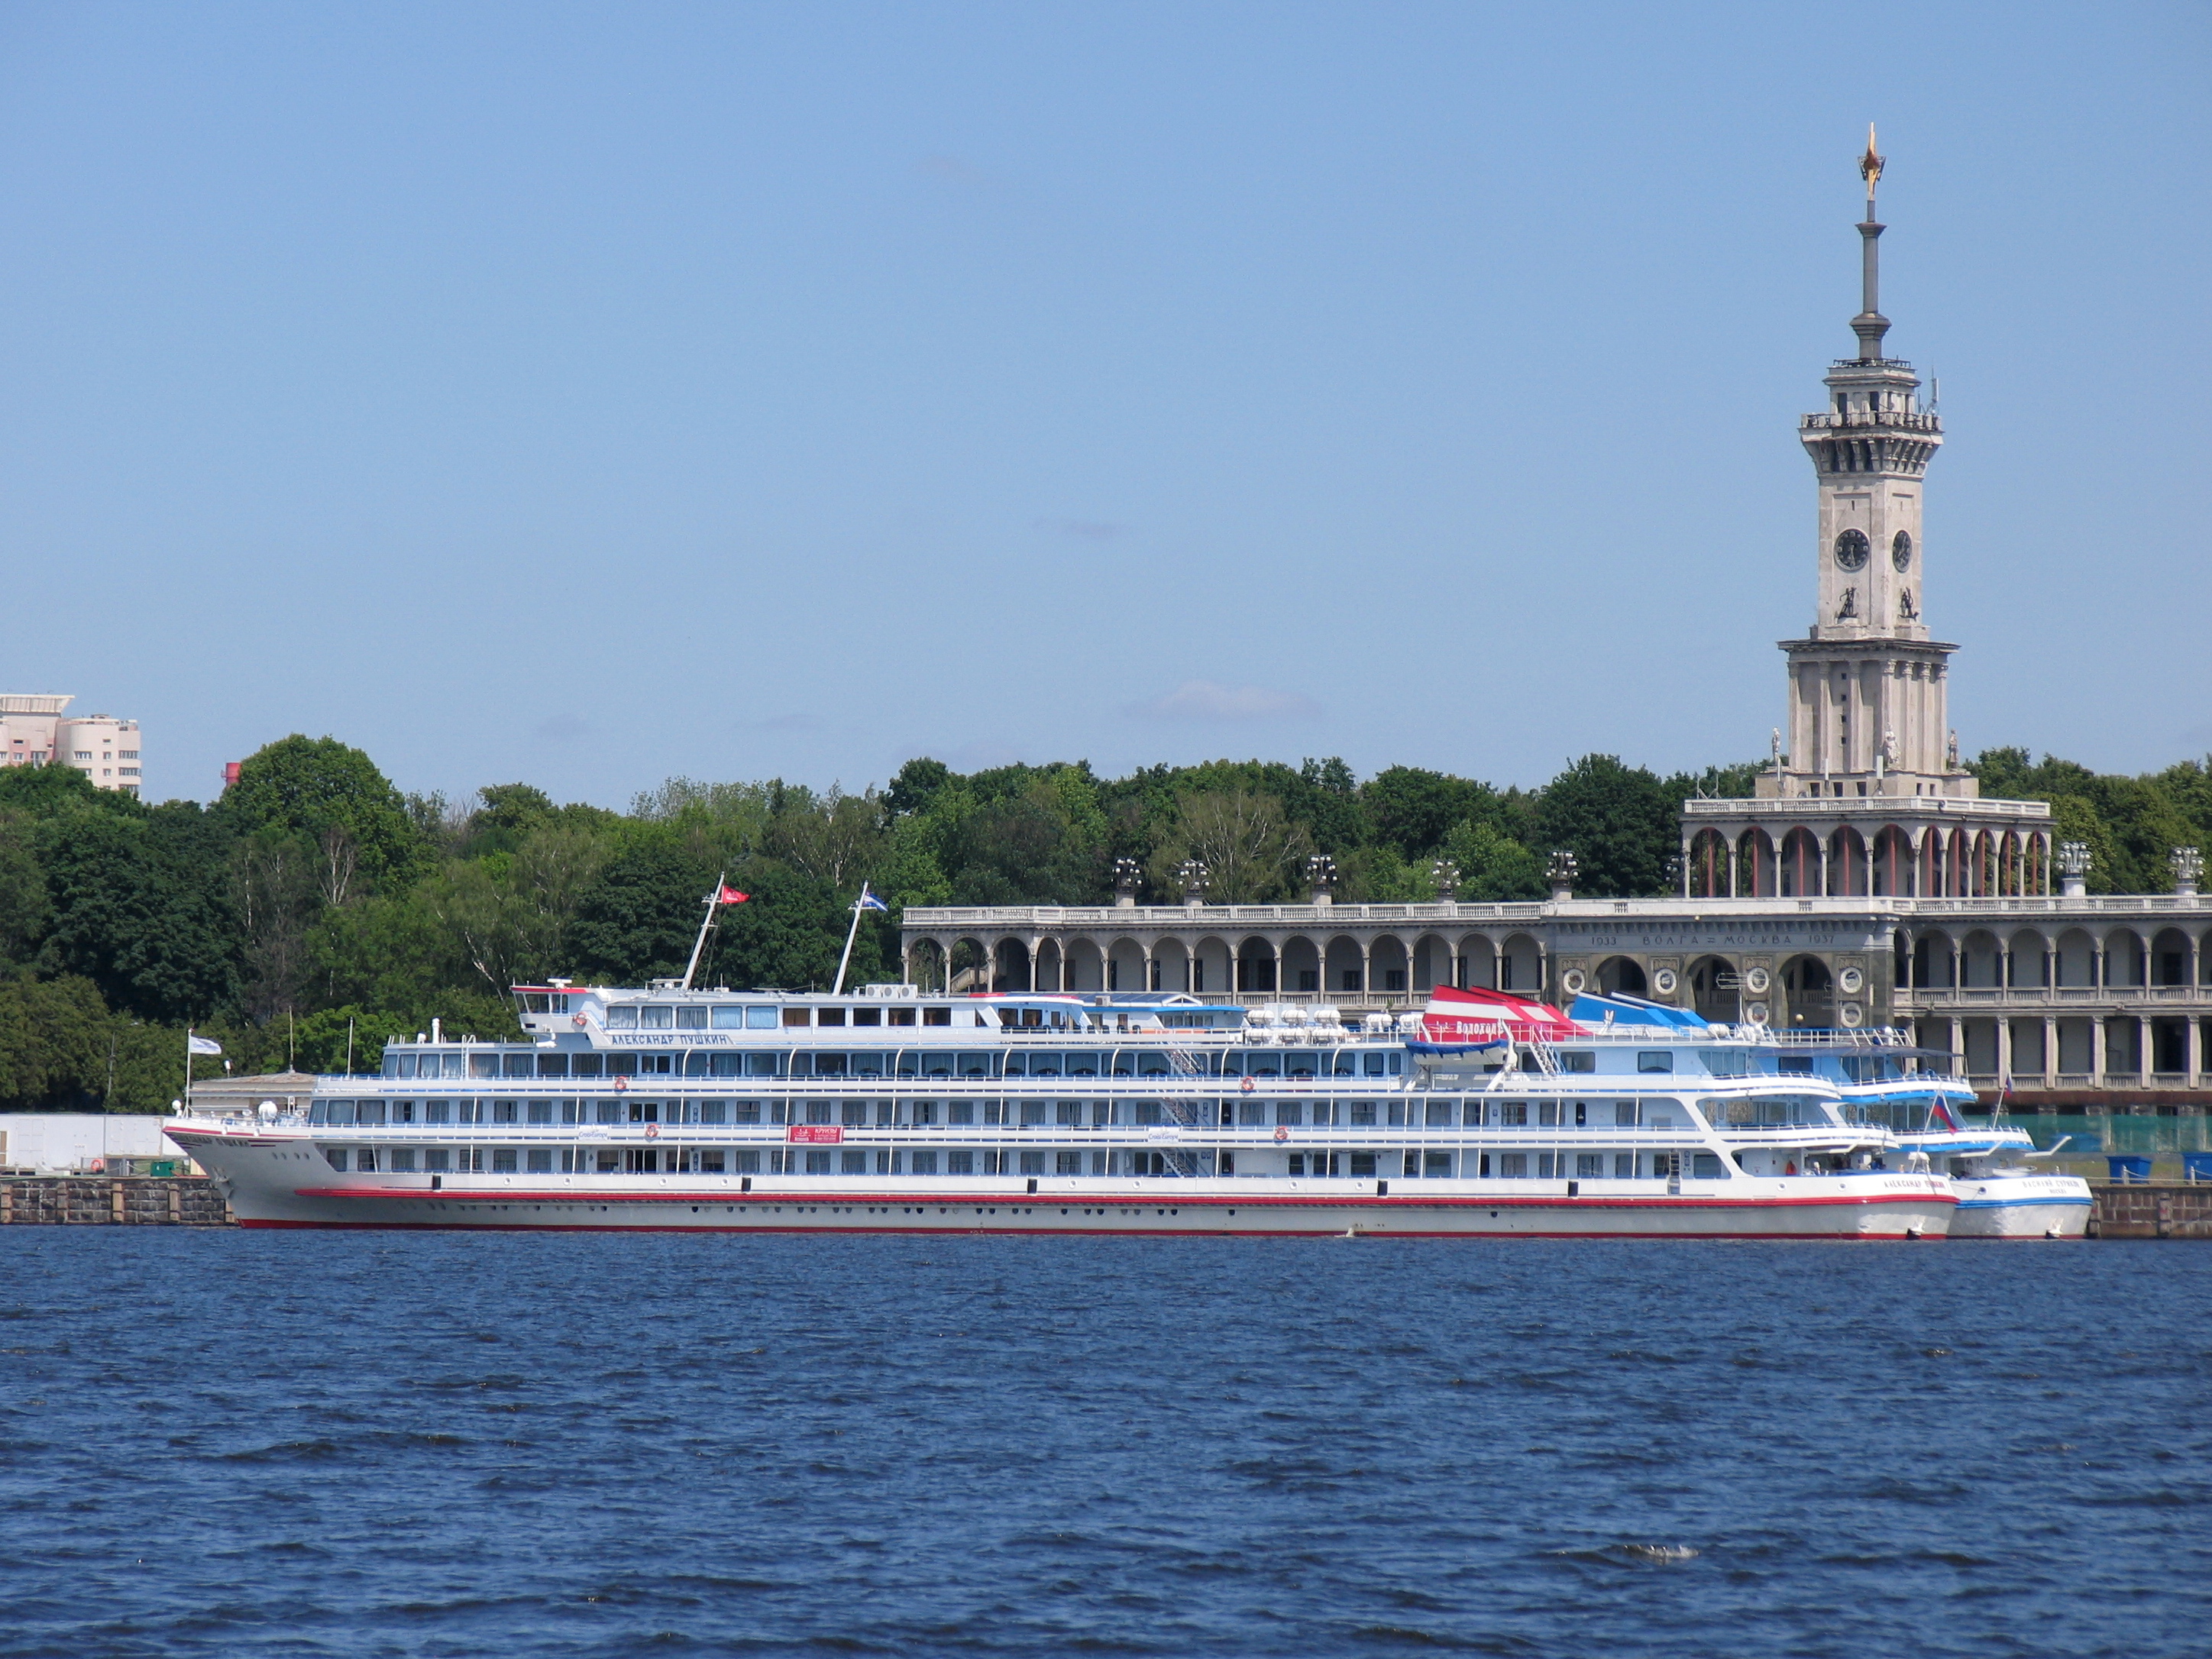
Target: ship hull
x,y
279,1182
2033,1206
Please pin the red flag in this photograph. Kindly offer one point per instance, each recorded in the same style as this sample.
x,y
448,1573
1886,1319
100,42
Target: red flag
x,y
731,896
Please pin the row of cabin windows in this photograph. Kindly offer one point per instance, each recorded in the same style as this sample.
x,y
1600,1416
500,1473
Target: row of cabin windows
x,y
486,1065
759,1017
1429,1113
1410,1163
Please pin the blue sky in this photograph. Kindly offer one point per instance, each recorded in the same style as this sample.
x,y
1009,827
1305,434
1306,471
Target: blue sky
x,y
591,394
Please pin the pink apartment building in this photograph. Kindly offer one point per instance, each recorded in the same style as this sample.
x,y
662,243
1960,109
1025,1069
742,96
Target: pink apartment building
x,y
37,730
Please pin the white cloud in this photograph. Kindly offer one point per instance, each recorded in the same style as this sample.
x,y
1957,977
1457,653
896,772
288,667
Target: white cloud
x,y
1205,700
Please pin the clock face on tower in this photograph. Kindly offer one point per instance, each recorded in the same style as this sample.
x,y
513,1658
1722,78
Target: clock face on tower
x,y
1900,549
1851,550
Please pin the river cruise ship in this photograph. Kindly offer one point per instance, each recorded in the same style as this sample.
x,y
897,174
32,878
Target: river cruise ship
x,y
890,1110
2006,1188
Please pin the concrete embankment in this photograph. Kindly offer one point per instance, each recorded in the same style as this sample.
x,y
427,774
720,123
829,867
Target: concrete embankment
x,y
113,1201
2152,1209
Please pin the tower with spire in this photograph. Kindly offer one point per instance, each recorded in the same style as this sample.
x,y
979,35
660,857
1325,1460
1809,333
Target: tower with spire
x,y
1868,713
1866,796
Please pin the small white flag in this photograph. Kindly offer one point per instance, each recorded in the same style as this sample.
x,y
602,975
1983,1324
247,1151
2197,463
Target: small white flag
x,y
200,1045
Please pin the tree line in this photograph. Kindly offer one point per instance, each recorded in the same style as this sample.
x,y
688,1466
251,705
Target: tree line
x,y
315,911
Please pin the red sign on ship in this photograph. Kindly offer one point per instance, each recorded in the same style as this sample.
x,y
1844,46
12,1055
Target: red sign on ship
x,y
817,1134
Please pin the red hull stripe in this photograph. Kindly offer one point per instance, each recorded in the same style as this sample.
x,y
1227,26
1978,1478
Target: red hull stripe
x,y
1050,1232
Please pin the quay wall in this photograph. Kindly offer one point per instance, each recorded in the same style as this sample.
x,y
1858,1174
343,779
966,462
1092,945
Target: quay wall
x,y
113,1201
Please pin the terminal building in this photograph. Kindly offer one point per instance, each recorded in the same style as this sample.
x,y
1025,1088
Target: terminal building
x,y
37,730
1865,883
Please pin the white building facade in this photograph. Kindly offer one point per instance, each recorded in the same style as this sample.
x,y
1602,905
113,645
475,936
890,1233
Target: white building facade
x,y
36,729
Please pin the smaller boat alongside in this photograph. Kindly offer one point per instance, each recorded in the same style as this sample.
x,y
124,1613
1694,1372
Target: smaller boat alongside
x,y
2005,1188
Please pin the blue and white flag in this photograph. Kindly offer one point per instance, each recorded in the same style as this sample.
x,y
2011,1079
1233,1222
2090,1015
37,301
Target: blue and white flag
x,y
870,902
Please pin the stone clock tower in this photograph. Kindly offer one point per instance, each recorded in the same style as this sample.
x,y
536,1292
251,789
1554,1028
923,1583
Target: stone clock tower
x,y
1868,713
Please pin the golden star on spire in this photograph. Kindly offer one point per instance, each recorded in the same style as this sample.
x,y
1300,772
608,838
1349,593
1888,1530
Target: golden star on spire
x,y
1870,164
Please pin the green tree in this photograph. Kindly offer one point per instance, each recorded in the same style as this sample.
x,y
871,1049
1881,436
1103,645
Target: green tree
x,y
333,799
1619,822
1414,809
140,907
1251,853
636,919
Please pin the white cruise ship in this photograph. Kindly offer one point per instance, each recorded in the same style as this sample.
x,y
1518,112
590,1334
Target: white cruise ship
x,y
891,1109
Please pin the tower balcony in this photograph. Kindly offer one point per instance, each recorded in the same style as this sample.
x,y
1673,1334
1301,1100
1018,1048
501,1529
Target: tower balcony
x,y
1860,420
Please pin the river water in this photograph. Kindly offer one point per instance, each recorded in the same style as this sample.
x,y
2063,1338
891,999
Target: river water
x,y
366,1444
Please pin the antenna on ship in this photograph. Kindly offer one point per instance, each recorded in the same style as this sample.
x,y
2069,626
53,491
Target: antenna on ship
x,y
867,900
723,894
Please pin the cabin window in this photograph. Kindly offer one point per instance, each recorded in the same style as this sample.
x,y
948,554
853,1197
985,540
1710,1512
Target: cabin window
x,y
746,1161
1547,1113
1795,1065
1067,1164
1706,1166
691,1019
1578,1059
552,1064
483,1066
611,1111
937,1017
406,1063
1437,1166
1363,1163
1436,1114
924,1161
829,1015
1655,1060
503,1111
336,1155
853,1114
1032,1163
729,1017
502,1160
657,1016
852,1161
1623,1114
818,1162
623,1016
541,1111
867,1016
711,1111
369,1111
899,1016
760,1065
1250,1114
365,1160
1032,1113
518,1065
1513,1166
1372,1064
1068,1112
586,1065
798,1017
760,1018
1590,1166
541,1160
402,1160
1363,1114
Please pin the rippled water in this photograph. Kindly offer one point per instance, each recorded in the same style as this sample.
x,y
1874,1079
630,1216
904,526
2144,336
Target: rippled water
x,y
281,1444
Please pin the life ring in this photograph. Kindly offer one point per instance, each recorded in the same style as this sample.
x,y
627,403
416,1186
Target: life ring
x,y
1851,1014
1664,981
653,1131
1247,1085
1573,981
1756,980
1281,1133
621,1083
1851,979
578,1021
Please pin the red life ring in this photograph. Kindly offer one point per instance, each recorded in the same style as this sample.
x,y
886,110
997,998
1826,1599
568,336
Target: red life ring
x,y
1246,1086
1281,1133
653,1131
621,1083
578,1021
